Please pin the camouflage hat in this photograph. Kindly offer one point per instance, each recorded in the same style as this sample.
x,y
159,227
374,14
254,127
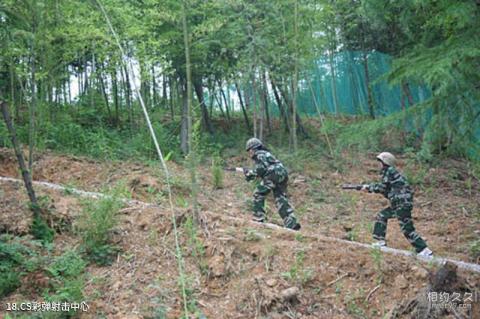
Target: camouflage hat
x,y
253,143
387,158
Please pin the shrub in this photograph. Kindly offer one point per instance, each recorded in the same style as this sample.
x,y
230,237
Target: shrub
x,y
41,231
4,136
67,270
12,257
217,172
95,225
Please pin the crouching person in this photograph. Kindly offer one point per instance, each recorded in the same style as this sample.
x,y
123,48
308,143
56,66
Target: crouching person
x,y
397,190
274,178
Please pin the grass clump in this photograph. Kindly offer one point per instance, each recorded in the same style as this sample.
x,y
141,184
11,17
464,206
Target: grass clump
x,y
96,224
41,231
475,250
298,273
377,258
10,259
217,172
16,259
67,281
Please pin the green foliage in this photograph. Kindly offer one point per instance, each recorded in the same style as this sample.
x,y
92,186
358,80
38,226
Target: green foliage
x,y
40,230
475,249
15,259
251,234
352,234
4,136
195,244
68,265
217,172
10,258
298,273
372,135
415,169
95,225
352,307
67,272
377,259
444,55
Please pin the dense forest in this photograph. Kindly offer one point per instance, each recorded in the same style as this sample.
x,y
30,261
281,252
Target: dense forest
x,y
146,106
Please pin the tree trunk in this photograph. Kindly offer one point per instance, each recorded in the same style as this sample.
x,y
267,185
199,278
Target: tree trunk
x,y
254,102
27,178
283,113
12,89
262,110
128,98
298,121
184,132
33,108
164,91
154,87
144,87
93,85
402,99
171,102
115,97
334,83
353,83
245,115
408,93
105,96
265,99
321,120
371,108
87,80
199,90
211,99
295,82
205,117
225,100
362,91
69,84
126,81
219,101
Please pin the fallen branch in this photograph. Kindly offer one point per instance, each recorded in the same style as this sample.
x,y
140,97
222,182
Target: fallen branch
x,y
371,292
425,204
338,279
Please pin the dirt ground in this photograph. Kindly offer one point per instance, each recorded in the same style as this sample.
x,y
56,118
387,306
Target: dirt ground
x,y
246,270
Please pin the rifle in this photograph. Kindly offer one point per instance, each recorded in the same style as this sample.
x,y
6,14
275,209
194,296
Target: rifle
x,y
249,175
354,186
236,169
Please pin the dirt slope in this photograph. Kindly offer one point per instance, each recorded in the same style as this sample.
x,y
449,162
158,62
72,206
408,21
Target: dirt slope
x,y
242,270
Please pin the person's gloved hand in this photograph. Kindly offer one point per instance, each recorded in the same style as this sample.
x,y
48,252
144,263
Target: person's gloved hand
x,y
365,188
249,175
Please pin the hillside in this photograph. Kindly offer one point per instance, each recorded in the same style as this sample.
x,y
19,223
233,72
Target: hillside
x,y
236,268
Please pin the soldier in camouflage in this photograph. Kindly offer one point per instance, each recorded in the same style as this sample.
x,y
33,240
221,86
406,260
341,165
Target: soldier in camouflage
x,y
397,190
274,177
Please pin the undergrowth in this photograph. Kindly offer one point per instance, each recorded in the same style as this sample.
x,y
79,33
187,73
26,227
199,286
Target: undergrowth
x,y
96,223
12,260
67,278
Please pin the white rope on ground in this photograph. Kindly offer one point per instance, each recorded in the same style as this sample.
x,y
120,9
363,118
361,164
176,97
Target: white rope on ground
x,y
393,251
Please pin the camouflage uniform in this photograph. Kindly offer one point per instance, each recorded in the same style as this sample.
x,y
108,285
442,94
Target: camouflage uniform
x,y
397,190
274,178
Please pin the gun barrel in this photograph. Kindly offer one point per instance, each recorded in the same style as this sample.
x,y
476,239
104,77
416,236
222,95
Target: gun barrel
x,y
352,186
234,169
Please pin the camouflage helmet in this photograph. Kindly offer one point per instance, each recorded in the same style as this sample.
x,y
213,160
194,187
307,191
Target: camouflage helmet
x,y
253,143
387,158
